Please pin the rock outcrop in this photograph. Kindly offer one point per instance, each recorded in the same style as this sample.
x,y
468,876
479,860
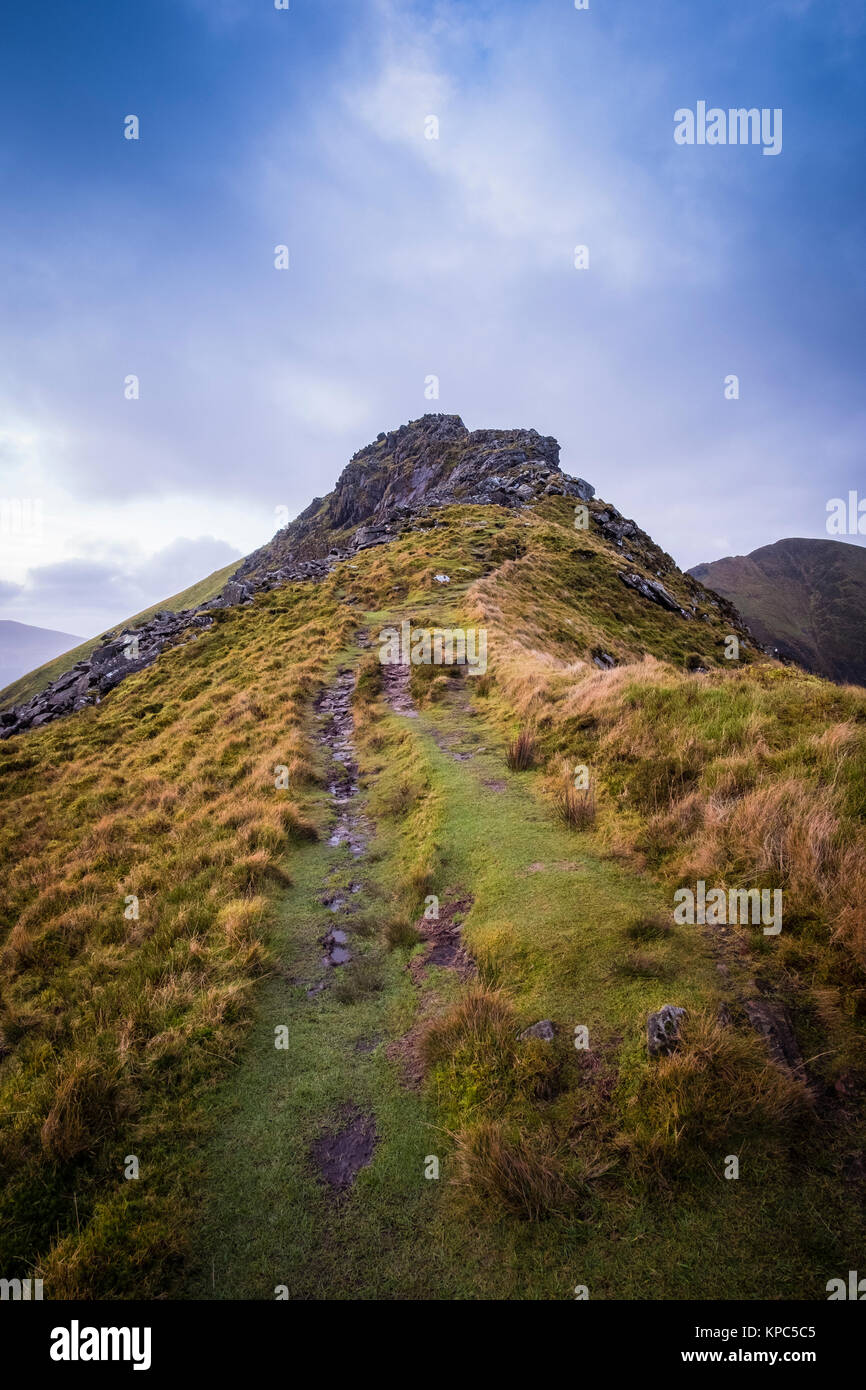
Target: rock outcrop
x,y
395,484
432,462
89,681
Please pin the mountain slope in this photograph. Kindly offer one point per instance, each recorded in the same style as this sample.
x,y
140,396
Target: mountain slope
x,y
25,687
218,953
805,598
22,647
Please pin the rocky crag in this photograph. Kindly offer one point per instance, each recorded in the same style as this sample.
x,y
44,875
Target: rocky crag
x,y
395,484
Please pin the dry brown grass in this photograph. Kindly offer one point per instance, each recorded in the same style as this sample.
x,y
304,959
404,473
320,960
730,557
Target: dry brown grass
x,y
501,1171
574,806
114,1020
751,776
87,1103
520,753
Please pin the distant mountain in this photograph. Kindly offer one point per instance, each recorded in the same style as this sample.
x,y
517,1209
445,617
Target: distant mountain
x,y
22,647
806,598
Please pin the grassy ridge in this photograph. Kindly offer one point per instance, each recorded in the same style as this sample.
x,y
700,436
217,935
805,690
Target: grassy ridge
x,y
115,1026
137,1036
622,1159
26,686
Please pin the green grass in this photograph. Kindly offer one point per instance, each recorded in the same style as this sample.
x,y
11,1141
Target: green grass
x,y
157,1038
29,685
550,923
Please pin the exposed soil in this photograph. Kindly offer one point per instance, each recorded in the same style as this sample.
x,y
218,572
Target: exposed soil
x,y
446,950
445,943
405,1052
340,1156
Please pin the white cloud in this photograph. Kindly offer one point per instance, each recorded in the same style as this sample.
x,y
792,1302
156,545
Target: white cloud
x,y
88,594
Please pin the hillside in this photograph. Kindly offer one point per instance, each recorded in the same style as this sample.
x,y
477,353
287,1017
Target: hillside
x,y
355,965
23,646
30,684
804,598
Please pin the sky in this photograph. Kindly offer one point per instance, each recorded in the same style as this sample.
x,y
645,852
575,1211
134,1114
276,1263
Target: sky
x,y
411,258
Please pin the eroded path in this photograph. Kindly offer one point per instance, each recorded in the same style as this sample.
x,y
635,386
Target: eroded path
x,y
316,1176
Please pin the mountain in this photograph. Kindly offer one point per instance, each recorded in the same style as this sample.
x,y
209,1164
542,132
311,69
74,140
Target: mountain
x,y
805,599
365,905
22,647
42,677
397,484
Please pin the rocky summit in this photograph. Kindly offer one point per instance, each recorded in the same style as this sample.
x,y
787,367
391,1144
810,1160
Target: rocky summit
x,y
391,487
432,462
387,487
318,908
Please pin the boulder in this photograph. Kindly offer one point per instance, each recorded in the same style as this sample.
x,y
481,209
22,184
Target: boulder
x,y
770,1018
663,1030
234,592
654,591
545,1029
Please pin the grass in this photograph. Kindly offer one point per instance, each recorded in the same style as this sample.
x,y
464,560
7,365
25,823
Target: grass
x,y
148,845
559,1165
520,753
21,690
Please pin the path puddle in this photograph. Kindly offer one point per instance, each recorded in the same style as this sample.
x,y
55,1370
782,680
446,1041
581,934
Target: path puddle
x,y
340,1156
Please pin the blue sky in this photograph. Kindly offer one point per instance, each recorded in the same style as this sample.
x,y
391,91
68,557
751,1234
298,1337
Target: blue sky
x,y
413,257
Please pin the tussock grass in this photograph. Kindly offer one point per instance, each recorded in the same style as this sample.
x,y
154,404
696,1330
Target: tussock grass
x,y
400,933
718,1088
520,753
143,845
754,776
655,926
574,806
502,1171
479,1065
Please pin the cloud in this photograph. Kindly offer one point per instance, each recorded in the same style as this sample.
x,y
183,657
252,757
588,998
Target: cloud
x,y
89,594
451,257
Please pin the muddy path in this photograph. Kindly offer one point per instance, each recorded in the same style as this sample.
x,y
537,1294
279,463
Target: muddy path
x,y
350,828
396,689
